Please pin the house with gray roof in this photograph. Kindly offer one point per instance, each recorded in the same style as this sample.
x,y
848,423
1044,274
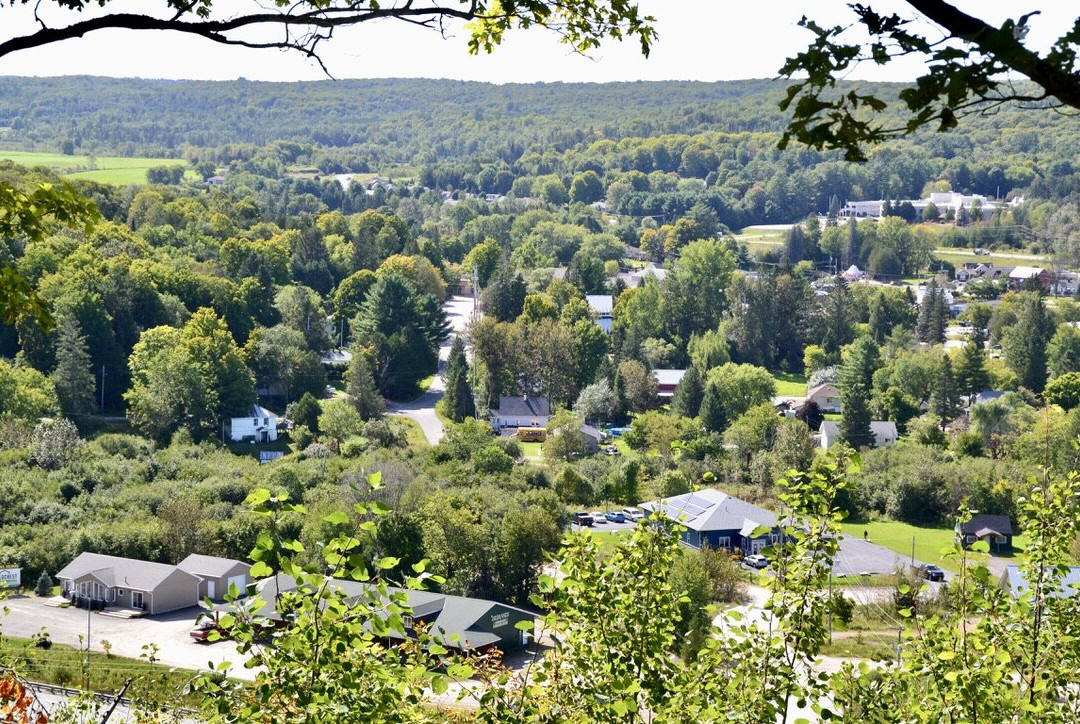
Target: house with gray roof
x,y
218,575
601,306
718,520
524,411
884,431
258,425
667,380
1013,581
99,580
996,530
468,624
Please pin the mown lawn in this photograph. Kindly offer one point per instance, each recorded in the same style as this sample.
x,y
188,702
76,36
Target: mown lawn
x,y
530,449
108,169
789,384
897,537
959,257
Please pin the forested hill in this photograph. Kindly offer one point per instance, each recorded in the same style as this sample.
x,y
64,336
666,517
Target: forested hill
x,y
440,117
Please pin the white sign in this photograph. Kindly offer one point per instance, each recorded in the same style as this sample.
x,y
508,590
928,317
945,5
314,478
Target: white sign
x,y
10,577
500,619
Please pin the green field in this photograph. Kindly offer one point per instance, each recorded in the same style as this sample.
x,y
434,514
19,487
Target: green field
x,y
959,257
530,449
107,169
928,541
789,384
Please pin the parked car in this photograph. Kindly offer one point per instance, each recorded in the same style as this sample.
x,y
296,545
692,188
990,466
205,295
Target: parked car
x,y
930,572
633,514
583,519
756,561
598,517
982,252
201,632
615,516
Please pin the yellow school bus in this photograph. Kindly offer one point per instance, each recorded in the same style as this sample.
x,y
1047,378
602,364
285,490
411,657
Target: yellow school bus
x,y
532,434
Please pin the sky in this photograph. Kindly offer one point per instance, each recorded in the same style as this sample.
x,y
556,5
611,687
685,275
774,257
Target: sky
x,y
699,40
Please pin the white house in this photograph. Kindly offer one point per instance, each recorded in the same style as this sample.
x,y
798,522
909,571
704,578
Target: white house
x,y
885,433
260,425
601,306
514,412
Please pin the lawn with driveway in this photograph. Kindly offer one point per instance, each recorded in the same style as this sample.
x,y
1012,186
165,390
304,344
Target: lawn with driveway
x,y
897,537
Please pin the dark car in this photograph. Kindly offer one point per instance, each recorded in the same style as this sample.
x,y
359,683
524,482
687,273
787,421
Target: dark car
x,y
201,632
583,519
930,572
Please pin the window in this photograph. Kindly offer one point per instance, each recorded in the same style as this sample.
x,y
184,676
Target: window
x,y
408,621
723,542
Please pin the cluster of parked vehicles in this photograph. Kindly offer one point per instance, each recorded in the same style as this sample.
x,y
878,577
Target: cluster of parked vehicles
x,y
599,517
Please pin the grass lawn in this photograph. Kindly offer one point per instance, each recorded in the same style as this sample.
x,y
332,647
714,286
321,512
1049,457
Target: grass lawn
x,y
414,434
866,645
109,169
63,665
789,384
959,257
622,446
530,449
928,541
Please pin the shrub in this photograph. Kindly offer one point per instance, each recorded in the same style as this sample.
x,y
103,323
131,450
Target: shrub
x,y
54,442
354,447
317,450
44,585
302,436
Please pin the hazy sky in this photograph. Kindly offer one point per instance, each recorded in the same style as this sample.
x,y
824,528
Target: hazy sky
x,y
699,40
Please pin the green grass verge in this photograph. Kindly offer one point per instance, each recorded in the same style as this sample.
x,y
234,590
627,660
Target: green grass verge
x,y
414,434
866,645
789,384
63,665
108,169
897,537
530,449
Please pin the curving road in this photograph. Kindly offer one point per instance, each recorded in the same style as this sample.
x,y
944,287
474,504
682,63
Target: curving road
x,y
459,311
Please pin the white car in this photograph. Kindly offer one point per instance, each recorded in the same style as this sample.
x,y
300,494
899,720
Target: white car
x,y
598,517
756,561
633,514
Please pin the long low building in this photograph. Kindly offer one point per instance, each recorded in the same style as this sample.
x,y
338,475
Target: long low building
x,y
471,624
718,520
100,580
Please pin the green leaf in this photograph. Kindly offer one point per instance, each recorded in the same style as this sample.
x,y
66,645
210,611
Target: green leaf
x,y
525,625
980,546
261,570
338,517
947,655
388,562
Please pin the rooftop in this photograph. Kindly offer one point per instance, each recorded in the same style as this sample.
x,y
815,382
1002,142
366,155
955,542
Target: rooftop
x,y
709,509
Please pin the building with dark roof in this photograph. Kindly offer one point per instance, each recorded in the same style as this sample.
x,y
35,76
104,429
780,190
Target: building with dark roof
x,y
525,411
718,520
997,530
471,624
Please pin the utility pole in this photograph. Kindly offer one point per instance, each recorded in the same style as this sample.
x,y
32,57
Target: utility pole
x,y
830,606
912,550
86,668
101,407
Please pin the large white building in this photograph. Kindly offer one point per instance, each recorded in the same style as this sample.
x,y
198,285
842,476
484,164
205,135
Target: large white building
x,y
945,201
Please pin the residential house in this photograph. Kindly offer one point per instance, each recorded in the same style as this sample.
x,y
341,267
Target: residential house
x,y
98,580
1013,581
1021,274
638,277
593,437
853,273
259,425
217,575
667,381
718,520
988,395
827,397
885,433
601,306
525,411
468,624
996,530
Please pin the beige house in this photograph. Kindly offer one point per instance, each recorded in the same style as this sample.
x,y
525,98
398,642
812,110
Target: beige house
x,y
100,580
126,583
826,396
217,575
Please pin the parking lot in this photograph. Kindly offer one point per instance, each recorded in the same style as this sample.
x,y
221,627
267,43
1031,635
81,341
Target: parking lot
x,y
27,615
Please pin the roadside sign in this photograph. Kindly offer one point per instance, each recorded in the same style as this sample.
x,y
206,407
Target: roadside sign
x,y
10,577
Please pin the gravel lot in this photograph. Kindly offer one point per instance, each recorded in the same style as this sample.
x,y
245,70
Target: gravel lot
x,y
27,615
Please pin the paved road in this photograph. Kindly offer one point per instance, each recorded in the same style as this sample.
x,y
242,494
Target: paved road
x,y
459,312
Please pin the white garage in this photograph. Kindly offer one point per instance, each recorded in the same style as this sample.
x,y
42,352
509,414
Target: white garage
x,y
217,575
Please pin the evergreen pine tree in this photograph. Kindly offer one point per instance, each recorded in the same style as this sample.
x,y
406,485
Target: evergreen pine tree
x,y
458,399
855,423
44,585
306,412
853,249
861,360
794,245
963,218
945,400
73,378
360,385
1025,343
880,321
839,324
687,398
713,416
621,405
971,375
939,318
